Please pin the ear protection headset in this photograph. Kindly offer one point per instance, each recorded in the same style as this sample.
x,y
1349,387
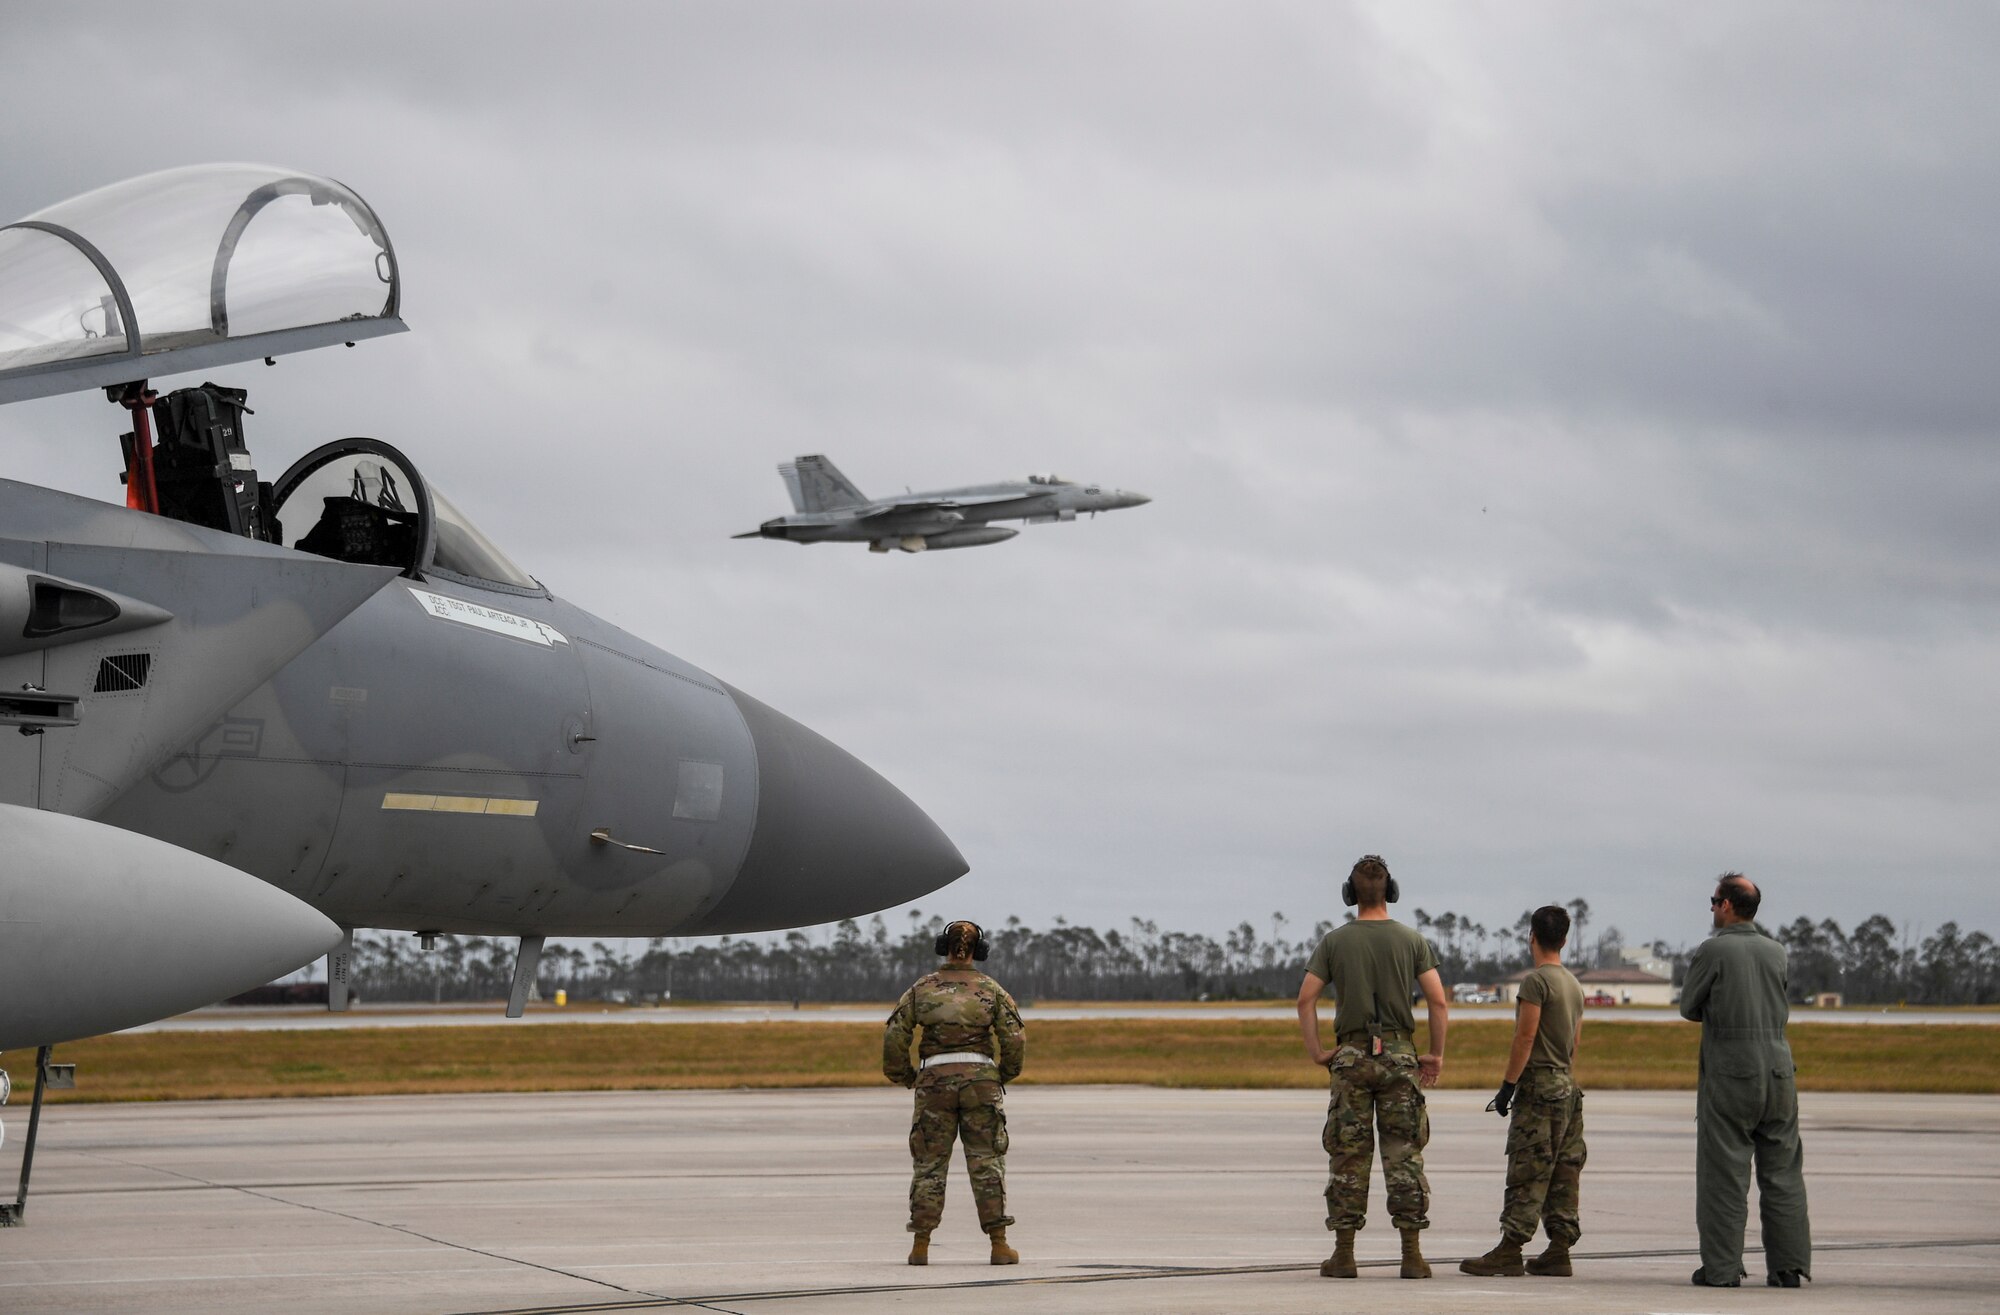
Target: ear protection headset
x,y
1347,895
942,945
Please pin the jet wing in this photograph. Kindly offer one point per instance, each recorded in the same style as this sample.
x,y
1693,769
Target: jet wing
x,y
956,502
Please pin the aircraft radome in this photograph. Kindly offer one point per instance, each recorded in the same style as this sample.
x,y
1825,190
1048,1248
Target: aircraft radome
x,y
332,681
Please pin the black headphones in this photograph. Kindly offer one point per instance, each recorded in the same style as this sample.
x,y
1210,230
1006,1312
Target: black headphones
x,y
1347,895
979,946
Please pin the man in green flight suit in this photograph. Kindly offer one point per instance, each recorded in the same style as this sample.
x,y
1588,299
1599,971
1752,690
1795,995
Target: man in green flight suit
x,y
972,1045
1545,1151
1373,963
1747,1104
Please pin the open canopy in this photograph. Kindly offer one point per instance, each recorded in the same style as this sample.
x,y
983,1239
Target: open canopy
x,y
187,269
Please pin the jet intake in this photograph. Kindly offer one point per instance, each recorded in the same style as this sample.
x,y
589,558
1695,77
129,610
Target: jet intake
x,y
39,611
966,538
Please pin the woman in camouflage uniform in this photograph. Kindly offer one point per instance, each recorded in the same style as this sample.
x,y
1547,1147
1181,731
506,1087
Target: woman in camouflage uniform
x,y
970,1044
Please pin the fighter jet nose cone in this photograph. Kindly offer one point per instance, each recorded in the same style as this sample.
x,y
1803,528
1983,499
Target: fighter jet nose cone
x,y
832,838
1131,499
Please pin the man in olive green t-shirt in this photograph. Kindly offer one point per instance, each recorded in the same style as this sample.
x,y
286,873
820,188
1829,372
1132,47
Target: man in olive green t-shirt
x,y
1545,1150
1373,964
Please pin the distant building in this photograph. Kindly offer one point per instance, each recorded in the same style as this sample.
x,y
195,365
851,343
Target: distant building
x,y
1628,986
1643,958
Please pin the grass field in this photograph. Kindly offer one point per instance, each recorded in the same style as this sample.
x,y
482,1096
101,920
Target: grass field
x,y
1165,1052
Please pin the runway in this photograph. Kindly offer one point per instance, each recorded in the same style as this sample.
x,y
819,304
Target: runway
x,y
223,1018
1129,1199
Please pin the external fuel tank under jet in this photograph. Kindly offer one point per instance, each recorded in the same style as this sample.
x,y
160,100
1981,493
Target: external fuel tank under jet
x,y
333,681
135,928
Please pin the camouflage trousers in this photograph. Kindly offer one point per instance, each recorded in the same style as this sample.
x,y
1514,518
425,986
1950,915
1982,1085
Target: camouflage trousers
x,y
1371,1091
958,1106
1545,1154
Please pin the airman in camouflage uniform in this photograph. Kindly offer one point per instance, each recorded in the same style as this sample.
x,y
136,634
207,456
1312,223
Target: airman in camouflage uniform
x,y
970,1044
1545,1150
1375,1070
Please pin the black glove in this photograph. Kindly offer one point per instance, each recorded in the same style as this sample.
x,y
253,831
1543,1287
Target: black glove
x,y
1502,1100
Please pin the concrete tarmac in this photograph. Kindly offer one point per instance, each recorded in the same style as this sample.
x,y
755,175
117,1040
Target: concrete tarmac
x,y
1129,1199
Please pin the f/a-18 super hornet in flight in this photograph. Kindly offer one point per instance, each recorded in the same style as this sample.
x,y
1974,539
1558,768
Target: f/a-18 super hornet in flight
x,y
240,717
831,510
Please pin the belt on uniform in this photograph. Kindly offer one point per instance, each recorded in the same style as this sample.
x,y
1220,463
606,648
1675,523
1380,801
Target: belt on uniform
x,y
958,1057
1361,1037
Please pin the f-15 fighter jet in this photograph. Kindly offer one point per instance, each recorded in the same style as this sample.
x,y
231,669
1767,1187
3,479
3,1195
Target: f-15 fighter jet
x,y
831,510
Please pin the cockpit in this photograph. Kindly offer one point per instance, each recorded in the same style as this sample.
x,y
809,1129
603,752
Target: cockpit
x,y
361,500
1047,479
212,265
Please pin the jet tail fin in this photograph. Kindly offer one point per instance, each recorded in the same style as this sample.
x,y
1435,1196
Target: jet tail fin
x,y
816,484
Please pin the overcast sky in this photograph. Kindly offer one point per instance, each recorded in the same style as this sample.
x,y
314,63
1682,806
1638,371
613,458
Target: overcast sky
x,y
1571,426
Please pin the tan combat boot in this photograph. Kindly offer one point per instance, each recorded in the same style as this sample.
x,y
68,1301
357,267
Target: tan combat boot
x,y
1002,1253
920,1249
1553,1262
1503,1261
1341,1263
1414,1264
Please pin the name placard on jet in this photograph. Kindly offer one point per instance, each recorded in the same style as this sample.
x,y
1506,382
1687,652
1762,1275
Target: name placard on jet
x,y
486,618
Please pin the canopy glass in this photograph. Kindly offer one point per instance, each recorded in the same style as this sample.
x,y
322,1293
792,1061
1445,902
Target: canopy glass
x,y
361,500
188,269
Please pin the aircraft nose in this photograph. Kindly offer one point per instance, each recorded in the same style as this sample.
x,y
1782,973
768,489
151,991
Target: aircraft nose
x,y
1127,498
832,838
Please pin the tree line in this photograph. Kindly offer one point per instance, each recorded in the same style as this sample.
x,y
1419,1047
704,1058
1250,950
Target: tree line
x,y
1876,963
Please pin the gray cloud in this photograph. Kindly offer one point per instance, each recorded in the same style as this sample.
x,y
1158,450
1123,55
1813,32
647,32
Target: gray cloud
x,y
1570,429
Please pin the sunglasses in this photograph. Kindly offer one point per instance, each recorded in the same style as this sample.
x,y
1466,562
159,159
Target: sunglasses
x,y
1717,901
